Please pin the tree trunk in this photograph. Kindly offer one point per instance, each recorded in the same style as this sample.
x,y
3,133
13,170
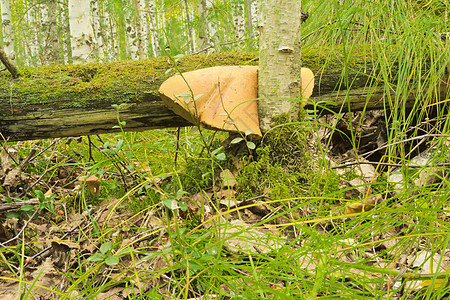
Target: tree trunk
x,y
202,13
7,28
82,40
73,100
238,19
153,28
279,73
188,28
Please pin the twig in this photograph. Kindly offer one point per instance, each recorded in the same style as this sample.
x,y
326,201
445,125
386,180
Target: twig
x,y
15,205
177,149
90,149
405,141
8,64
7,152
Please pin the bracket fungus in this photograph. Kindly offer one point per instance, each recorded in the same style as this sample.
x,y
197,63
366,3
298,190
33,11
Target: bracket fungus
x,y
223,98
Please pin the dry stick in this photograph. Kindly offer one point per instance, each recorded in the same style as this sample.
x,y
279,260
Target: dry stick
x,y
90,149
405,141
177,149
8,64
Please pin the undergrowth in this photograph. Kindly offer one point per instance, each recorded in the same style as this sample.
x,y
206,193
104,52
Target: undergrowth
x,y
285,166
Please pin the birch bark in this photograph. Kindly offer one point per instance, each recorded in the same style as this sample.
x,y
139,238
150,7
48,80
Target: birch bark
x,y
144,35
8,36
238,19
153,28
279,64
131,37
81,33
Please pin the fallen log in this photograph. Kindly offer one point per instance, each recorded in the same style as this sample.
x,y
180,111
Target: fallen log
x,y
74,100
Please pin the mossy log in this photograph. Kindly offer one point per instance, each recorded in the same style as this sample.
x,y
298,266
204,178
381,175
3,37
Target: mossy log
x,y
73,100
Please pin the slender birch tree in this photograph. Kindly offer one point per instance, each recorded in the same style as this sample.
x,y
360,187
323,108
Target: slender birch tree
x,y
81,31
238,19
279,80
7,28
202,13
152,16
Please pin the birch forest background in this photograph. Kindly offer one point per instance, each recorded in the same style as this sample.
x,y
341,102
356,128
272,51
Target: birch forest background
x,y
75,31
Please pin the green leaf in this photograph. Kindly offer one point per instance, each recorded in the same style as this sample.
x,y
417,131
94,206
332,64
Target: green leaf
x,y
40,195
119,146
187,97
168,202
96,257
168,71
178,57
236,140
115,106
123,123
215,151
213,250
181,193
197,97
221,156
251,145
104,248
183,206
27,207
112,260
12,214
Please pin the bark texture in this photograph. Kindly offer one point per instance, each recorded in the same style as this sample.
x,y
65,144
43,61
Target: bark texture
x,y
279,69
72,100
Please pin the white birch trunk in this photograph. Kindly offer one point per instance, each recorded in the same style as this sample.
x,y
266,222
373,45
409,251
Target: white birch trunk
x,y
153,28
238,19
97,29
255,12
131,38
82,39
279,61
144,30
8,31
108,26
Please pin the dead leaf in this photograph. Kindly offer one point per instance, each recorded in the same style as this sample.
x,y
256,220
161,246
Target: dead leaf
x,y
239,237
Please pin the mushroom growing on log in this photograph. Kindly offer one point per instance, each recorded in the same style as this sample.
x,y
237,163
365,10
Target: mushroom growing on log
x,y
223,98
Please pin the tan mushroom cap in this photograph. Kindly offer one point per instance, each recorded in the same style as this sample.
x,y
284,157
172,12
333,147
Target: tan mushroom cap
x,y
225,97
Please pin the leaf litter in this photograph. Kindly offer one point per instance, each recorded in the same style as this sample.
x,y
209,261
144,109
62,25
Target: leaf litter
x,y
128,253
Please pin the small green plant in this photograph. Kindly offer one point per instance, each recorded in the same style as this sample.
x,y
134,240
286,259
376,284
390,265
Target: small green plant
x,y
45,202
105,255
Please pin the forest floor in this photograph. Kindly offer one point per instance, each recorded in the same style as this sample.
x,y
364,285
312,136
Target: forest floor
x,y
199,215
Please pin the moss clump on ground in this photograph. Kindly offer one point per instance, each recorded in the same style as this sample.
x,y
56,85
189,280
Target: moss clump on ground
x,y
285,167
